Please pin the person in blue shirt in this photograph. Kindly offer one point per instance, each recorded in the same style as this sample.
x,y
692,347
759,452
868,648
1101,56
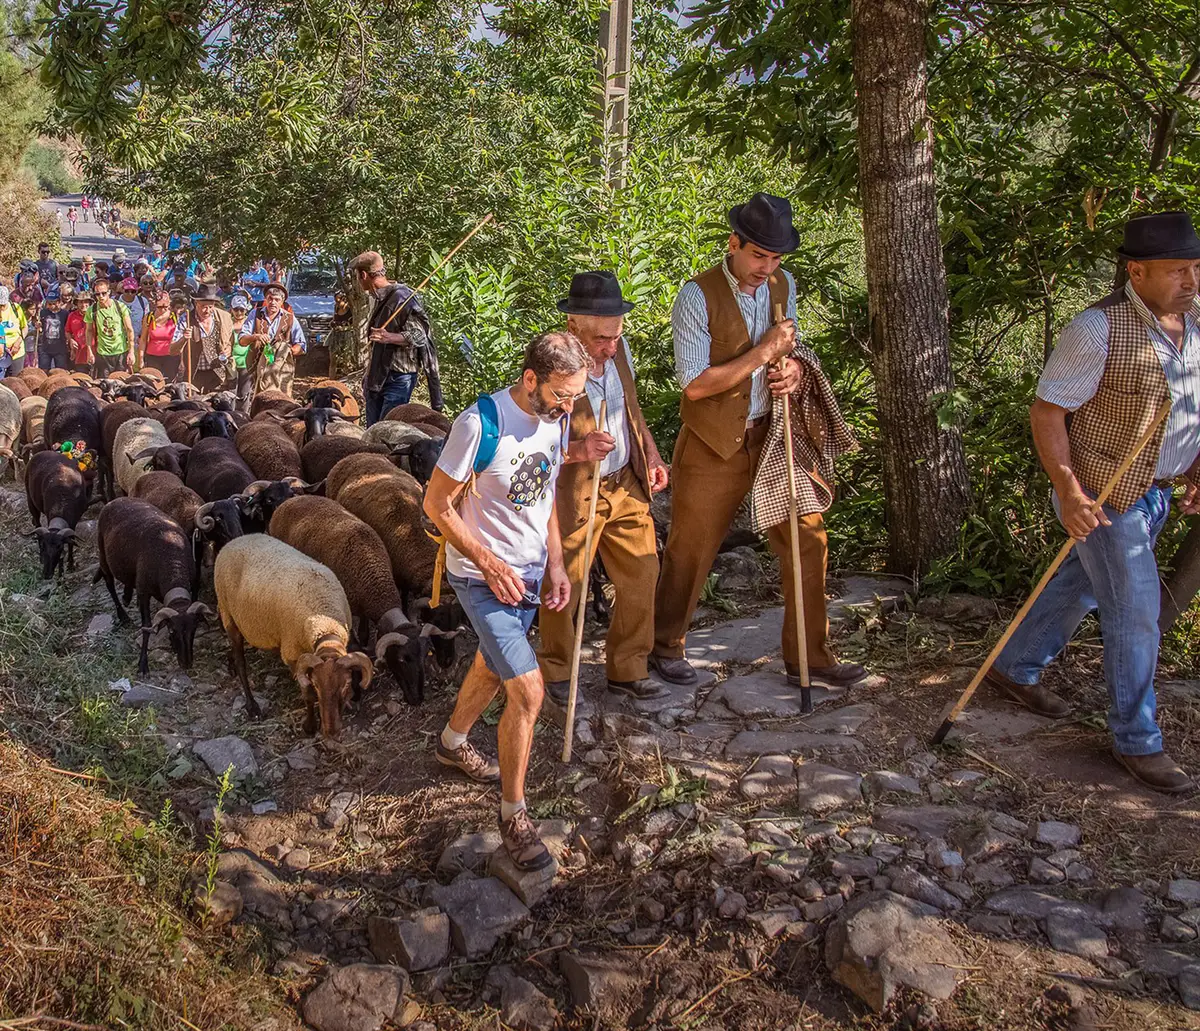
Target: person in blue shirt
x,y
143,229
275,338
174,242
255,280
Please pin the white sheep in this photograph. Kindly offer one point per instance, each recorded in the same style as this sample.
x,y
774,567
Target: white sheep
x,y
134,437
273,597
393,434
345,429
10,425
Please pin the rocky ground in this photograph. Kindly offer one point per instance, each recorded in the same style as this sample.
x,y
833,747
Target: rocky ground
x,y
722,860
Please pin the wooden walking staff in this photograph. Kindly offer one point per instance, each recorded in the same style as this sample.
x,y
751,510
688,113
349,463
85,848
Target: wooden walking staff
x,y
425,282
1063,552
794,526
581,609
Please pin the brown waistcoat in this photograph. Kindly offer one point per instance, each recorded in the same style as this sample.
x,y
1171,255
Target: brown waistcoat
x,y
573,494
1132,388
720,420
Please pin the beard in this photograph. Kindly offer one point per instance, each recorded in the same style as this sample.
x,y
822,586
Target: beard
x,y
543,409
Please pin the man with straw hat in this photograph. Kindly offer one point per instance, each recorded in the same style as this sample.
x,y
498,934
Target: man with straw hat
x,y
732,358
631,469
1114,366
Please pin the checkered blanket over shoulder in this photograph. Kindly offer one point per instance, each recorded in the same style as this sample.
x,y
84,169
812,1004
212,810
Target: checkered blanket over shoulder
x,y
819,435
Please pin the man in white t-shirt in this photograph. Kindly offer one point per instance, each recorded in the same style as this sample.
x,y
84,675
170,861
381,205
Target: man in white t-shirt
x,y
502,537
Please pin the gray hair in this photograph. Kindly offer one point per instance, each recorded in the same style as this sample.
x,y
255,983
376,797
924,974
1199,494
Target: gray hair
x,y
555,352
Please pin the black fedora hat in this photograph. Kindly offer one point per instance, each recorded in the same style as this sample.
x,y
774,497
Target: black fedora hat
x,y
594,293
1165,235
766,221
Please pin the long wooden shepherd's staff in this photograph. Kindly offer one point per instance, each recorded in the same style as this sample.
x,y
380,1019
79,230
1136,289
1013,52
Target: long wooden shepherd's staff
x,y
794,526
1063,552
425,282
581,609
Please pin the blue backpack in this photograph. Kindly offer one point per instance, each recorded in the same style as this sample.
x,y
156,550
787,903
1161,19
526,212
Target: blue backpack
x,y
489,417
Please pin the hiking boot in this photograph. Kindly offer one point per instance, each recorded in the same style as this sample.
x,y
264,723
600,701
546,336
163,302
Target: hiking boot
x,y
558,690
521,841
1034,697
643,689
470,760
1157,771
844,674
674,671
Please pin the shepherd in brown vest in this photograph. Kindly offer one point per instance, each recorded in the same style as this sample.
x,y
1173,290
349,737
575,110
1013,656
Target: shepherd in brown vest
x,y
631,469
275,338
1114,367
734,363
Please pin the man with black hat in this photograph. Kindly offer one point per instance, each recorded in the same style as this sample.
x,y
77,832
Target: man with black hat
x,y
276,339
732,359
211,339
1113,368
631,469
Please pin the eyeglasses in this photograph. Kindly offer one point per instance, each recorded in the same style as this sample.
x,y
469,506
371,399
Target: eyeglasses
x,y
562,399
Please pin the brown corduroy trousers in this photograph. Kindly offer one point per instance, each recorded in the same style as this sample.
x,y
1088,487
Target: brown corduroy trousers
x,y
624,536
706,493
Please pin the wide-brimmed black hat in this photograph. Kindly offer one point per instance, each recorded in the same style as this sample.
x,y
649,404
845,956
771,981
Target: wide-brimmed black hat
x,y
766,221
1165,235
206,292
594,293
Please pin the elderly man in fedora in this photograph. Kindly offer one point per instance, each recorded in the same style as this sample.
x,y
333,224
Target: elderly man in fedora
x,y
732,359
631,469
1115,365
275,338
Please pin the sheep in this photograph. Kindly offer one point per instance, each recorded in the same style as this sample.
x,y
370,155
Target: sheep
x,y
209,522
56,491
307,424
347,403
169,458
10,424
54,383
318,456
268,450
33,425
151,377
216,471
150,553
389,501
392,434
130,446
414,413
449,617
73,414
112,418
168,493
32,376
272,596
325,531
199,425
138,391
419,457
18,387
273,400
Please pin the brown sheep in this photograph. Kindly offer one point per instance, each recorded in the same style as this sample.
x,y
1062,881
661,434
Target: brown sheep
x,y
266,447
31,376
52,384
320,455
271,400
18,387
414,414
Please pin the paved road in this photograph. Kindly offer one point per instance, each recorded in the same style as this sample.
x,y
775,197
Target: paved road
x,y
88,238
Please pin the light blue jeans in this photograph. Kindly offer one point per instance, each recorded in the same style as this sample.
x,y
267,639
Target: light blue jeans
x,y
1113,570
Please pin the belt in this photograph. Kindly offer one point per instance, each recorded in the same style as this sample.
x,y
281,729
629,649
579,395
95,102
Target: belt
x,y
613,480
755,423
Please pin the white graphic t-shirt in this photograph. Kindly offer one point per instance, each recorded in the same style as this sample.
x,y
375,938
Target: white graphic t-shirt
x,y
511,515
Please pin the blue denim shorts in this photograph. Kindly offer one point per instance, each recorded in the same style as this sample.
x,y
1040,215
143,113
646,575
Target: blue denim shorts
x,y
503,630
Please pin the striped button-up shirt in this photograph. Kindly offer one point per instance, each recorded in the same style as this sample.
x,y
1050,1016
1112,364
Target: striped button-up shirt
x,y
689,328
1072,376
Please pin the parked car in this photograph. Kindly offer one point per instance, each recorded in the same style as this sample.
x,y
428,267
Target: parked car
x,y
312,283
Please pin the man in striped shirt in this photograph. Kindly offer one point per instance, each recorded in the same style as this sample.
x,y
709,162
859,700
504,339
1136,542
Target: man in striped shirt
x,y
1115,366
731,358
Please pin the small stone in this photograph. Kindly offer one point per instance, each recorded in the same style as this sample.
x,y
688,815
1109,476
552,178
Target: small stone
x,y
990,875
987,923
585,784
1077,937
1123,909
819,910
302,757
480,912
732,906
1174,930
809,889
854,866
601,983
219,907
1007,824
267,805
1188,984
827,787
468,852
886,852
99,625
1064,858
524,1007
963,778
986,843
1191,917
661,822
1033,904
653,910
419,943
298,859
596,757
881,782
530,886
917,886
785,866
770,775
1185,891
881,883
1057,834
1042,872
960,890
771,922
360,997
220,753
861,837
1078,873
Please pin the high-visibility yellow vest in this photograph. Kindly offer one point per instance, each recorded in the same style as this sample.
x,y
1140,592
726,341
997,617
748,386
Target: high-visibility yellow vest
x,y
12,330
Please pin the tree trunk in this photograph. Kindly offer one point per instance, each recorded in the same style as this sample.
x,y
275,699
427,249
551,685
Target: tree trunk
x,y
924,469
1184,582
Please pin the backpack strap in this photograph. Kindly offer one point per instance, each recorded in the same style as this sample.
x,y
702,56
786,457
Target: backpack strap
x,y
489,417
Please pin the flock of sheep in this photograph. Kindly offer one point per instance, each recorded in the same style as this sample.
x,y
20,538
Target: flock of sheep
x,y
313,526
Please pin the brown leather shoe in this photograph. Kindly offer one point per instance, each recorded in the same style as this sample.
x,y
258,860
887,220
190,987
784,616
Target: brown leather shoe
x,y
470,760
674,671
643,690
1157,771
524,845
844,674
1034,697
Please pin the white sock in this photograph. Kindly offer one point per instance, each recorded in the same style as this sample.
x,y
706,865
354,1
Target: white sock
x,y
509,809
451,739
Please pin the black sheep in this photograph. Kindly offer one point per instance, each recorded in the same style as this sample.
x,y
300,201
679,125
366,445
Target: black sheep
x,y
73,414
216,471
323,397
152,555
419,457
55,489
